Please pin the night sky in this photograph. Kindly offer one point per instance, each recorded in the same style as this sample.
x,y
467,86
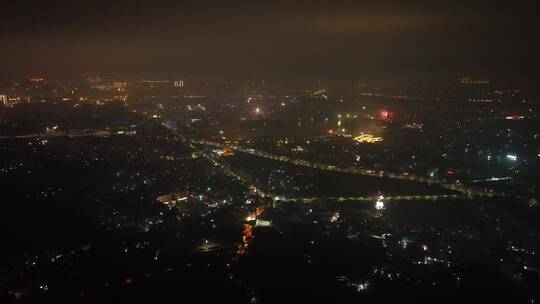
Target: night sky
x,y
327,39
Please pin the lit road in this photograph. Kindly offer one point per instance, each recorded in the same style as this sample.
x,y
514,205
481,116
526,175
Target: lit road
x,y
434,197
225,169
466,191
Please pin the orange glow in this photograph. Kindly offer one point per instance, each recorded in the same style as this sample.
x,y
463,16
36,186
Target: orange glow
x,y
247,234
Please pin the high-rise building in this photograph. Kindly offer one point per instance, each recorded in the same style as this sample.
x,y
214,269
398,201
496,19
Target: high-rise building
x,y
4,100
178,83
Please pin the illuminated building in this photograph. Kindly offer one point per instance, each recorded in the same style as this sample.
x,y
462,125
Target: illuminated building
x,y
367,138
511,157
170,200
379,204
262,223
4,100
335,217
178,83
227,151
36,80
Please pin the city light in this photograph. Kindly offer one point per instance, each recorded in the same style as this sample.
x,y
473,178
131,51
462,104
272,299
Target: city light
x,y
511,157
379,204
262,223
384,114
266,153
368,138
335,217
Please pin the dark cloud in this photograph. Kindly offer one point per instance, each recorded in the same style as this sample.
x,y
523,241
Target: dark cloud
x,y
300,38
